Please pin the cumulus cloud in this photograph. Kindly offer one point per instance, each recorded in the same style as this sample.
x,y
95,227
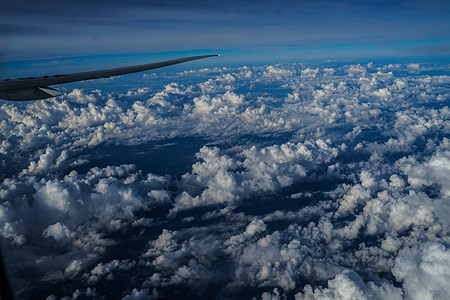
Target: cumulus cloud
x,y
424,269
50,159
58,231
431,172
260,170
348,285
335,176
142,295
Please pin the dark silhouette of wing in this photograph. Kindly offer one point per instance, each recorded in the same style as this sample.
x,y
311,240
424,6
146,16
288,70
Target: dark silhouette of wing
x,y
34,88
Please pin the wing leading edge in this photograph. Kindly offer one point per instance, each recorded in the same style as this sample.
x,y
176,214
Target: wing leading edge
x,y
34,88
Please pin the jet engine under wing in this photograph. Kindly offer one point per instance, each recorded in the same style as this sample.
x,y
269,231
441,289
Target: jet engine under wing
x,y
34,88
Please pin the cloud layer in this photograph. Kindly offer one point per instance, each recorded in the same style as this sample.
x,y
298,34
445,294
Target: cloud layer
x,y
310,181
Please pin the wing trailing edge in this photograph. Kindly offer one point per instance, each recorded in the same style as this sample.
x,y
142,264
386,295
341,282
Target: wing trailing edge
x,y
35,88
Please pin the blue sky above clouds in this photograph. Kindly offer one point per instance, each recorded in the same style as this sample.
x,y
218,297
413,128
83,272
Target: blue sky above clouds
x,y
263,30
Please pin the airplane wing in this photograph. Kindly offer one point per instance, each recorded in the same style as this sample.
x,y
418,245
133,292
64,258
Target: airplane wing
x,y
34,88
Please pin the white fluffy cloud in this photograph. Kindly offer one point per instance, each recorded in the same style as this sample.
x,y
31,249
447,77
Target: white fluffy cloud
x,y
143,294
425,270
260,170
58,231
347,286
335,176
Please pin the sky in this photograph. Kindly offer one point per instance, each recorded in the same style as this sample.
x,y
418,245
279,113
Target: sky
x,y
242,30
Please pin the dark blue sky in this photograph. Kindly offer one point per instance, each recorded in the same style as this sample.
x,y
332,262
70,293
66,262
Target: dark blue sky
x,y
264,29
